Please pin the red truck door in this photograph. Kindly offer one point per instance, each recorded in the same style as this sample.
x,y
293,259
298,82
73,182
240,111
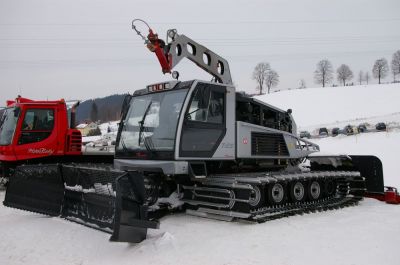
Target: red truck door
x,y
37,134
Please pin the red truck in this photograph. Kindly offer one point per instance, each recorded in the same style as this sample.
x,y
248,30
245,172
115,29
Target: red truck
x,y
34,132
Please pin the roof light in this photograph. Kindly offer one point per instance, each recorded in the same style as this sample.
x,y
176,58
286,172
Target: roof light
x,y
160,86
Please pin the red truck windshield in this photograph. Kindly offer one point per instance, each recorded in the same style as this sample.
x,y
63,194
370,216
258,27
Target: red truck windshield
x,y
8,123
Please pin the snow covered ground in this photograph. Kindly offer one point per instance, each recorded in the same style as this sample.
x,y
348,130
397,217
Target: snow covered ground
x,y
367,234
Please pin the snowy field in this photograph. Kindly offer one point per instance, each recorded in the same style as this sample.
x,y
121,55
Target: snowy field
x,y
368,234
319,107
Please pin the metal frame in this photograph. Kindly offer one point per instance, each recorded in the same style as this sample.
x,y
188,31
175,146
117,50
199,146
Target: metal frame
x,y
204,58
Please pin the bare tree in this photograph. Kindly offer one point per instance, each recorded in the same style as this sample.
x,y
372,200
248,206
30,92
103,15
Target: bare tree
x,y
303,83
260,74
394,75
324,73
272,79
344,74
380,69
366,77
360,77
396,64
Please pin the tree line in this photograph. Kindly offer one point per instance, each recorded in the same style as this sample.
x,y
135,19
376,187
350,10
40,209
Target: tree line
x,y
100,109
324,73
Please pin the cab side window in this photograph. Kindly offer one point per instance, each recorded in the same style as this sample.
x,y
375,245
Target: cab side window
x,y
37,125
207,106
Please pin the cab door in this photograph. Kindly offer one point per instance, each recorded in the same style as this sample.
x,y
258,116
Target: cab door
x,y
204,124
38,135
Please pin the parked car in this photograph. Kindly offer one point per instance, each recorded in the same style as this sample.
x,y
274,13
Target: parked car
x,y
349,130
335,131
362,128
381,126
323,132
305,134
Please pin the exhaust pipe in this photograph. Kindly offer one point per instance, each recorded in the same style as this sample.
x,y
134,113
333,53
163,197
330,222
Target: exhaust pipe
x,y
73,115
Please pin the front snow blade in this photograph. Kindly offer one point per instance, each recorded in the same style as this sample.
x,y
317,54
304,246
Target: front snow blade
x,y
89,196
107,199
36,188
96,196
131,219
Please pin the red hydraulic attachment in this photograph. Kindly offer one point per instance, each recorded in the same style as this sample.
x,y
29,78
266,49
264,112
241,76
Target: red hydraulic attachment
x,y
156,45
390,196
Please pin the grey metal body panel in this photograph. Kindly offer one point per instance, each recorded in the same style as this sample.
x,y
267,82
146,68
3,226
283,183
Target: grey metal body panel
x,y
167,167
297,147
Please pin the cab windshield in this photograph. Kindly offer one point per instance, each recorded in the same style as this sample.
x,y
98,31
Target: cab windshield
x,y
8,122
150,124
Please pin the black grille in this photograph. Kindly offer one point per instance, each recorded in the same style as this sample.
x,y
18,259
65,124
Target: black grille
x,y
268,144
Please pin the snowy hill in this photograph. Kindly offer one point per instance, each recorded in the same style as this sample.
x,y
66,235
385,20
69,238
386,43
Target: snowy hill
x,y
314,107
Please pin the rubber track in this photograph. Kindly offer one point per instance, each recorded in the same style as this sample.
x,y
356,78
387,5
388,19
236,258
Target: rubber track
x,y
272,213
341,199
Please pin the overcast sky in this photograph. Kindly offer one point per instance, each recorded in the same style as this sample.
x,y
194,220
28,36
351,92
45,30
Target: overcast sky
x,y
81,49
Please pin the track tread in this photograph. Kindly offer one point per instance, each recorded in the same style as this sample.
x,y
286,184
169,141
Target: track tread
x,y
346,193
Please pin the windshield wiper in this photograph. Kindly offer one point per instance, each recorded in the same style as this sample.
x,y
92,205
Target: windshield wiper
x,y
141,123
148,143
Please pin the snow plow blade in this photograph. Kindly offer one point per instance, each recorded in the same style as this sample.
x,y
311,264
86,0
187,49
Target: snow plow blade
x,y
371,169
131,219
36,188
99,197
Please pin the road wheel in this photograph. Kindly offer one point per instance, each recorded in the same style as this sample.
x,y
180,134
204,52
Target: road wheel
x,y
276,193
314,190
297,191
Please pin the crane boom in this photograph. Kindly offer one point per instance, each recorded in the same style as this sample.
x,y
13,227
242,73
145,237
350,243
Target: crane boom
x,y
180,46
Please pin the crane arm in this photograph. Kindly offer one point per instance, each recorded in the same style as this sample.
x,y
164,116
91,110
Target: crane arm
x,y
179,47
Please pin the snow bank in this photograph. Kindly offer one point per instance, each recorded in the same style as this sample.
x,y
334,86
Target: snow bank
x,y
109,132
109,127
